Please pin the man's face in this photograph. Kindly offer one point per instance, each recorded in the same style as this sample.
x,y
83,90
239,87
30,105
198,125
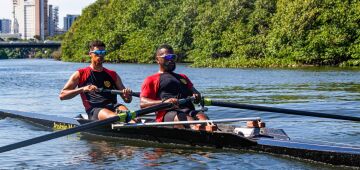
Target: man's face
x,y
97,54
166,59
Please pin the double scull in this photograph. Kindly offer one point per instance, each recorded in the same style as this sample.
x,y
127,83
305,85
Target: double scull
x,y
264,139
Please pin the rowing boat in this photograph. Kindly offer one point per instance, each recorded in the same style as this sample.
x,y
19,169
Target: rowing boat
x,y
267,140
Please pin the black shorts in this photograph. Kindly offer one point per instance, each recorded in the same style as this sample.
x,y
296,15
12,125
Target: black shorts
x,y
93,113
181,113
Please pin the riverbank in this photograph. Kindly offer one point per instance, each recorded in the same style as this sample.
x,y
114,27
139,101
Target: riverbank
x,y
233,63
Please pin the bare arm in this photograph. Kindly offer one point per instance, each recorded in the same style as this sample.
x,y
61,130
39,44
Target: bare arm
x,y
146,102
126,96
70,91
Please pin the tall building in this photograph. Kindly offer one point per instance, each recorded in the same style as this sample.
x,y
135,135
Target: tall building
x,y
41,21
15,26
69,20
30,18
5,26
56,17
51,21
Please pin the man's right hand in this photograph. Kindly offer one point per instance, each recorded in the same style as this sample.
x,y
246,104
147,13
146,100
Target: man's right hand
x,y
89,88
174,101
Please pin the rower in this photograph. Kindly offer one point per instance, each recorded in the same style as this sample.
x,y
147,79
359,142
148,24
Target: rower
x,y
166,86
88,80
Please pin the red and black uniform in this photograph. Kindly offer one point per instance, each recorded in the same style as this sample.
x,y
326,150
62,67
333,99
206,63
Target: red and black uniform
x,y
161,86
94,102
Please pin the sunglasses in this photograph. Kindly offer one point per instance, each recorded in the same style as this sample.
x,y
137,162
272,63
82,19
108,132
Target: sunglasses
x,y
99,52
169,57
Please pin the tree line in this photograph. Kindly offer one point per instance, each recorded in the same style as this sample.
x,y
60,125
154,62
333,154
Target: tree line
x,y
218,33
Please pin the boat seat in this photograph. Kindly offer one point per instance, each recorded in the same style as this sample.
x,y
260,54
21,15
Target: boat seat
x,y
82,116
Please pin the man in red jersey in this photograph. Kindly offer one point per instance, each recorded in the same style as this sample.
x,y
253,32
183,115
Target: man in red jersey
x,y
166,86
87,81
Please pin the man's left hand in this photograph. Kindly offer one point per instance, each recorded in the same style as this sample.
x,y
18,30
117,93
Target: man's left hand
x,y
197,97
127,94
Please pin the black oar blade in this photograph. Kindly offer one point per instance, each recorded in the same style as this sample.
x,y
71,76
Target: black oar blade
x,y
210,102
80,128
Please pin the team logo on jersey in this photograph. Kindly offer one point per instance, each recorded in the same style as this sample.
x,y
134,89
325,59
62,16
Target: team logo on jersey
x,y
183,81
107,84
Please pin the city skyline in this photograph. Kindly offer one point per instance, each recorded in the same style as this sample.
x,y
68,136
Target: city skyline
x,y
30,18
65,7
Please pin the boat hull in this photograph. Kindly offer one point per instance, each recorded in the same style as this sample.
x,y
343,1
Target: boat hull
x,y
335,155
270,141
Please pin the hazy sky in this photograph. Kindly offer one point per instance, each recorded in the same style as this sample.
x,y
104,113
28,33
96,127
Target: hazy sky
x,y
65,7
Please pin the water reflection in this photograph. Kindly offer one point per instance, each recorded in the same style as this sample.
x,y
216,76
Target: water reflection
x,y
117,152
103,150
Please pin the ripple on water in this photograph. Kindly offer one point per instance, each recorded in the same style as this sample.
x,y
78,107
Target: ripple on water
x,y
33,86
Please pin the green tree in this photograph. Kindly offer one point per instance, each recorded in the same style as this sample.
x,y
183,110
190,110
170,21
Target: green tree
x,y
234,33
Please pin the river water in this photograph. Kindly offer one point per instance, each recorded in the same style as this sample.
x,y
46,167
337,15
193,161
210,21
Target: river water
x,y
33,86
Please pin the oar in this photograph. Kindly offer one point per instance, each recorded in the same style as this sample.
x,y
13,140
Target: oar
x,y
87,126
136,94
209,102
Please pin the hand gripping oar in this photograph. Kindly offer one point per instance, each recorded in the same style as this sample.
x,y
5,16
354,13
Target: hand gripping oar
x,y
87,126
136,94
209,102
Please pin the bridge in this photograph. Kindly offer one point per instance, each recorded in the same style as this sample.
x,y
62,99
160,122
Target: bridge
x,y
16,44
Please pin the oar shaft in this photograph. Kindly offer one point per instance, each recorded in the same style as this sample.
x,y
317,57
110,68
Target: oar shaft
x,y
57,134
80,128
136,94
279,110
153,109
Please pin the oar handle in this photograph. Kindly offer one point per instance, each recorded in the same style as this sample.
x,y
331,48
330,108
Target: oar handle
x,y
135,94
209,102
163,106
128,115
188,99
148,110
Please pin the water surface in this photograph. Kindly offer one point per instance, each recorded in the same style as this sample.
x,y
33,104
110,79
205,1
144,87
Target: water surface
x,y
33,86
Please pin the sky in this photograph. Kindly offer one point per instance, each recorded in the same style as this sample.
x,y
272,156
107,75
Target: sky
x,y
65,7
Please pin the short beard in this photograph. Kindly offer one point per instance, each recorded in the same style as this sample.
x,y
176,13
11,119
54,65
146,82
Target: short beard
x,y
98,63
169,68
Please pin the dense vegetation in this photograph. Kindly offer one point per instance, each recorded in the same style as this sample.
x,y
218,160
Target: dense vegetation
x,y
14,53
233,33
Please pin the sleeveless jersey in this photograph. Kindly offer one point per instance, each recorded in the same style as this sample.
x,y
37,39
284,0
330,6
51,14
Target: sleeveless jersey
x,y
103,79
162,86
